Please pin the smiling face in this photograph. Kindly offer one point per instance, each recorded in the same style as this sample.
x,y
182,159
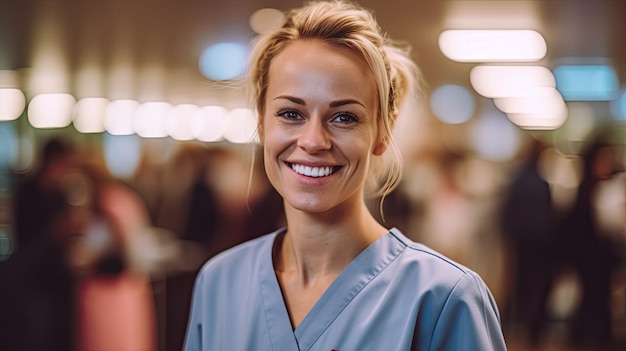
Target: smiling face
x,y
319,126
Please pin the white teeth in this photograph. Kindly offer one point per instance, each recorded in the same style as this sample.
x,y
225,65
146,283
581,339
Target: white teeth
x,y
312,171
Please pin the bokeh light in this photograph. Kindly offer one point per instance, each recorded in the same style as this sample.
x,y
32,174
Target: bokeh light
x,y
541,109
509,81
223,61
121,154
618,106
149,119
89,115
12,103
8,145
47,111
118,117
492,45
586,82
452,104
211,124
493,137
179,124
241,126
266,20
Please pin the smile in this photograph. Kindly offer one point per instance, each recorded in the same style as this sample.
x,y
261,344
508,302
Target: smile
x,y
314,172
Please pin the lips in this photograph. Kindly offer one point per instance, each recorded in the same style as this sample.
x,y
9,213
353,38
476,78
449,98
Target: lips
x,y
314,172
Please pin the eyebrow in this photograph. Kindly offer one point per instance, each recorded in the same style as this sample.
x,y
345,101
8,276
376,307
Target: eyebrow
x,y
337,103
291,98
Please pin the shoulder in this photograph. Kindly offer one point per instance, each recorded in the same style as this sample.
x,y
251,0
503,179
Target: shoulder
x,y
421,254
456,291
434,270
448,283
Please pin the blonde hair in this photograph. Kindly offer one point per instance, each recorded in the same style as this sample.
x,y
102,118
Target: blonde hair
x,y
348,25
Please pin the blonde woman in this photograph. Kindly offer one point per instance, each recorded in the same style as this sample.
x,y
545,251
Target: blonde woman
x,y
327,87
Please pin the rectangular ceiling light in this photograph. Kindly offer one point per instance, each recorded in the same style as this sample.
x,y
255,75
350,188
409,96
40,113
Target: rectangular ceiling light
x,y
509,45
586,82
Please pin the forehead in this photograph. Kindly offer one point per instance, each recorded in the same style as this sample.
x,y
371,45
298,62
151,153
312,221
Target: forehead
x,y
308,65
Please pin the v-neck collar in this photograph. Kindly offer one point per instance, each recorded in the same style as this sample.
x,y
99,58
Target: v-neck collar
x,y
365,267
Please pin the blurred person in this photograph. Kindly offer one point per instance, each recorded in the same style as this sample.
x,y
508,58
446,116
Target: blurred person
x,y
528,226
36,283
326,88
588,251
203,210
114,305
182,171
215,200
447,200
248,205
217,213
188,211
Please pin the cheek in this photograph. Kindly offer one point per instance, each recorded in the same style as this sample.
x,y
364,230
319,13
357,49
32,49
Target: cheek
x,y
274,137
268,131
271,169
272,147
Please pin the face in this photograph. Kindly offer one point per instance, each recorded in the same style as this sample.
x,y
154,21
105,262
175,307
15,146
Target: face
x,y
319,126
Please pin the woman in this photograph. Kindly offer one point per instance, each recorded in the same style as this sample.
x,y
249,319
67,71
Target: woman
x,y
327,87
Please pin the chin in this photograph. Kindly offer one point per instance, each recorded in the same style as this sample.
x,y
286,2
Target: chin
x,y
313,206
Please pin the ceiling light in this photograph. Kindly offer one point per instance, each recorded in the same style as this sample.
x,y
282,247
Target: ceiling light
x,y
586,82
510,45
51,110
89,115
12,103
118,117
508,81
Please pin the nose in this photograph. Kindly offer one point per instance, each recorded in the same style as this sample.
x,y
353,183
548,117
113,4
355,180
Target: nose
x,y
314,137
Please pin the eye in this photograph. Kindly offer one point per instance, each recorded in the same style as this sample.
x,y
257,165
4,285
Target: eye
x,y
289,115
345,118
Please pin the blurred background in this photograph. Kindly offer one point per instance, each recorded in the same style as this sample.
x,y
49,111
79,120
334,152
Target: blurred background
x,y
128,158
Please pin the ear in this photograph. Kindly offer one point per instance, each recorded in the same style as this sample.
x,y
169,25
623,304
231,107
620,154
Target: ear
x,y
383,142
380,147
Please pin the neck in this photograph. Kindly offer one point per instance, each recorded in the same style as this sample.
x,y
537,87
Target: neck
x,y
322,245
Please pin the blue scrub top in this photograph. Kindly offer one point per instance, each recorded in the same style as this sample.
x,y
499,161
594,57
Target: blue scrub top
x,y
396,295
